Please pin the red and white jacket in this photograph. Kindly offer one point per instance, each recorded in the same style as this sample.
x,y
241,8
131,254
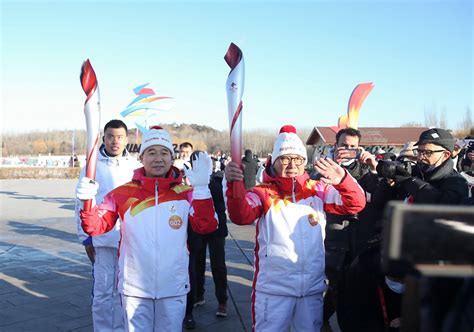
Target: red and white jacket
x,y
153,254
289,240
111,172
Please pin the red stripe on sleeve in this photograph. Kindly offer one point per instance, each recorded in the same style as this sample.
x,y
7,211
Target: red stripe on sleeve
x,y
239,209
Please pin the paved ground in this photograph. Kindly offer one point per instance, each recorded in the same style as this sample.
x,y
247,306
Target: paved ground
x,y
45,276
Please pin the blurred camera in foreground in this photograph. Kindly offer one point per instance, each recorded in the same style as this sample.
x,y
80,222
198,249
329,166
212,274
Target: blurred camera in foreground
x,y
432,240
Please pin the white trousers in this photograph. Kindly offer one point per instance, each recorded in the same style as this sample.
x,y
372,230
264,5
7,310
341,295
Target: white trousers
x,y
282,313
147,315
107,313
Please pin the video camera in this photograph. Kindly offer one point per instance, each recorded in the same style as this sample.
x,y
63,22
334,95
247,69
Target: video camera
x,y
432,240
470,145
466,143
388,168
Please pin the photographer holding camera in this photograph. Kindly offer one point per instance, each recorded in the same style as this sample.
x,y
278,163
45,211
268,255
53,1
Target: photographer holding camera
x,y
465,162
433,180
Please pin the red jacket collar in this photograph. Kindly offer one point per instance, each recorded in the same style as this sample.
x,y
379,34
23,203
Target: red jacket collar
x,y
172,179
285,185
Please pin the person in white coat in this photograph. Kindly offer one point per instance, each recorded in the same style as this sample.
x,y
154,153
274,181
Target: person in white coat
x,y
115,167
154,210
289,210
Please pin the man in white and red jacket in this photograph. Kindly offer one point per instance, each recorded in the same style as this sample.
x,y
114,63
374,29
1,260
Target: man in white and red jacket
x,y
289,210
154,209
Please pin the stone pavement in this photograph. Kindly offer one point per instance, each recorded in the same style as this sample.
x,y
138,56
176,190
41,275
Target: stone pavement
x,y
45,276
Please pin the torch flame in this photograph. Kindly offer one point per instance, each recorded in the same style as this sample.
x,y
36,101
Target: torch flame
x,y
88,78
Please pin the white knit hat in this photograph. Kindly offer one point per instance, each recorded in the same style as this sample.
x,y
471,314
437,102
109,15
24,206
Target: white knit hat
x,y
288,142
156,136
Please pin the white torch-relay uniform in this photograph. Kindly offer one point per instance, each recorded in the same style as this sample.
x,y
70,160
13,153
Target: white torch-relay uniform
x,y
289,212
154,212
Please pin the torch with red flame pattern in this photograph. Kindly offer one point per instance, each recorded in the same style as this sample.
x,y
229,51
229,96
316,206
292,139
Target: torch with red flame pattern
x,y
92,113
235,90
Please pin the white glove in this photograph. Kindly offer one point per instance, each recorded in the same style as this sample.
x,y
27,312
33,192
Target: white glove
x,y
200,174
86,189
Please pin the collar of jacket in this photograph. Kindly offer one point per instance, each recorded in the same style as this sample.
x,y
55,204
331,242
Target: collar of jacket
x,y
285,185
439,172
103,156
172,179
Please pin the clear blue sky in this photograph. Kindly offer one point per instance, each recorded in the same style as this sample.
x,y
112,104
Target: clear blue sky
x,y
302,59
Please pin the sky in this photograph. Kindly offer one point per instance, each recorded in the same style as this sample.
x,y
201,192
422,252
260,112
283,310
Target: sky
x,y
302,60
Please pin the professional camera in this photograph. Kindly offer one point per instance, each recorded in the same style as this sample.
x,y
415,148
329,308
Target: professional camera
x,y
470,145
465,144
388,168
469,149
434,240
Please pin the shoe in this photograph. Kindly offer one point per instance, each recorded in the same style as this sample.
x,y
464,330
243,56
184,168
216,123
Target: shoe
x,y
189,322
199,302
221,310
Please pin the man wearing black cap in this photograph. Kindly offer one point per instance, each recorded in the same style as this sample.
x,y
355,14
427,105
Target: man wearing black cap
x,y
434,180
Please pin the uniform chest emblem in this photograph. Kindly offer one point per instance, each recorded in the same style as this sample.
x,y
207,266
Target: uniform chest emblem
x,y
175,222
173,209
313,219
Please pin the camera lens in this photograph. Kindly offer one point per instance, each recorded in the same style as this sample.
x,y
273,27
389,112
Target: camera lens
x,y
386,168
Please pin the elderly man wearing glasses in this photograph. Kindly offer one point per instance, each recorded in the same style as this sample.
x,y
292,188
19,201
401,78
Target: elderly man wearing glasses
x,y
433,180
289,211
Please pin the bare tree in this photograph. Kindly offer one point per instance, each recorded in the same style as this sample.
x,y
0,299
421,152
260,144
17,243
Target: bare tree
x,y
442,119
431,118
466,123
202,137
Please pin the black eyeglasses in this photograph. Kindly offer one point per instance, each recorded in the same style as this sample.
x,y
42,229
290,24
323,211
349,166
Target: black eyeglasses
x,y
285,160
426,153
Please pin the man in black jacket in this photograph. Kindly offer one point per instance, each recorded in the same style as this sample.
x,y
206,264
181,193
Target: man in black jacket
x,y
346,236
433,181
250,169
216,243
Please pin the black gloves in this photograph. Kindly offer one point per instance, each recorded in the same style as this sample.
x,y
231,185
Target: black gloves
x,y
401,174
393,170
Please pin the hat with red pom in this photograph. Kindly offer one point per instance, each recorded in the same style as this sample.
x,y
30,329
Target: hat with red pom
x,y
288,142
156,136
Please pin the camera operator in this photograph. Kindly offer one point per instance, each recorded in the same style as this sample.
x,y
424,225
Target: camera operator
x,y
432,181
465,162
348,235
465,153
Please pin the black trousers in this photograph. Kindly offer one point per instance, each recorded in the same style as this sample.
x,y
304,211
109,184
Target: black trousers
x,y
218,268
190,298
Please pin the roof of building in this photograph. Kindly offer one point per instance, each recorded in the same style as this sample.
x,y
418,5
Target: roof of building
x,y
370,135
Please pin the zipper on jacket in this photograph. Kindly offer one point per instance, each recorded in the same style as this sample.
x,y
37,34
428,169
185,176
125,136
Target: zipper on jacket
x,y
293,189
155,263
300,226
303,260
